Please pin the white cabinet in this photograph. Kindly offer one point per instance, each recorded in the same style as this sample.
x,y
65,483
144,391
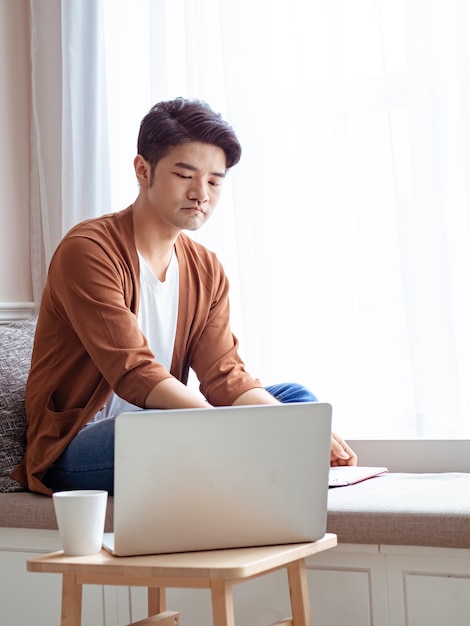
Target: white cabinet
x,y
361,585
348,583
391,586
428,587
26,598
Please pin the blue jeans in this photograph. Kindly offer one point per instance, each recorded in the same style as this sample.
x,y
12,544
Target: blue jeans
x,y
88,461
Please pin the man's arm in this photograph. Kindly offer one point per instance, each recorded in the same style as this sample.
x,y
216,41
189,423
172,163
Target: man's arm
x,y
172,394
257,395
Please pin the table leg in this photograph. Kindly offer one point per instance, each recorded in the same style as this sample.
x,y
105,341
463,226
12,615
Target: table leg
x,y
156,600
222,603
71,601
300,601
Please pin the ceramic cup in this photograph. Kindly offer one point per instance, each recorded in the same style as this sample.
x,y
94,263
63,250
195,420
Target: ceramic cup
x,y
80,517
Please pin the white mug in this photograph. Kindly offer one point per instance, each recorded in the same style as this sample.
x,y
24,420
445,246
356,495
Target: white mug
x,y
80,517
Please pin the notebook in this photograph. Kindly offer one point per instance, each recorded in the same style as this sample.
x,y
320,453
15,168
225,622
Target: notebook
x,y
216,478
342,476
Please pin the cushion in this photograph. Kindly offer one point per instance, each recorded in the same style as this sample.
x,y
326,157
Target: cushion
x,y
403,509
16,341
32,510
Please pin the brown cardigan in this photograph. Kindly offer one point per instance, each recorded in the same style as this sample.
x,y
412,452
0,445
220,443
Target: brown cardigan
x,y
88,342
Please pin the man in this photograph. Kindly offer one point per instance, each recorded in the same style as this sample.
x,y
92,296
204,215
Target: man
x,y
131,303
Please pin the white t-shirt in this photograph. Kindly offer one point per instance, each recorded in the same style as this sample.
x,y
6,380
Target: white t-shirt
x,y
157,317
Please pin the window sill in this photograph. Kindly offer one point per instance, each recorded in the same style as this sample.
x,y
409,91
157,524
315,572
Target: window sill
x,y
414,455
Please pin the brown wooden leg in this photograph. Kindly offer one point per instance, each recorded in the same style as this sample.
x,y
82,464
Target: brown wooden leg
x,y
156,600
299,598
71,601
222,603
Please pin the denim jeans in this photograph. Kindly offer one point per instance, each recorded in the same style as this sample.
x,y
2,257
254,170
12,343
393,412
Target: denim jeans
x,y
88,461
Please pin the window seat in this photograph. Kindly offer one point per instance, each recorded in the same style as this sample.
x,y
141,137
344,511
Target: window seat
x,y
404,538
420,509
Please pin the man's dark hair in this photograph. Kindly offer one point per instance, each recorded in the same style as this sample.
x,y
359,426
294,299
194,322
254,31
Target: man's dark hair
x,y
178,121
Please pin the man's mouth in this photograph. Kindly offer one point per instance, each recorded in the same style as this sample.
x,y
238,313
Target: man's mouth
x,y
196,208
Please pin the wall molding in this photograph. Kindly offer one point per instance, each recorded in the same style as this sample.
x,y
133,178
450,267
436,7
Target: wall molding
x,y
15,311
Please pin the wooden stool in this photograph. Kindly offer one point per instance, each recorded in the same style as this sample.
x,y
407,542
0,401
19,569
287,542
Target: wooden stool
x,y
216,570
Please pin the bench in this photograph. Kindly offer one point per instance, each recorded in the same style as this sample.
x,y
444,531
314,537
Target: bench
x,y
431,509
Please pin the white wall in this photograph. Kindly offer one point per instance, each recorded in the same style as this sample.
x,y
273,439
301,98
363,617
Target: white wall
x,y
15,98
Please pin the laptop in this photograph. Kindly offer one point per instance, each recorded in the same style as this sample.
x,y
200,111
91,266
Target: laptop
x,y
218,478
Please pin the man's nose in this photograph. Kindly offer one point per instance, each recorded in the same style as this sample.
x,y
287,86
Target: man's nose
x,y
199,192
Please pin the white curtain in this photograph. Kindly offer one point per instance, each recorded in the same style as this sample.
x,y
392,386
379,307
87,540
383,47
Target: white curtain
x,y
69,146
46,153
345,229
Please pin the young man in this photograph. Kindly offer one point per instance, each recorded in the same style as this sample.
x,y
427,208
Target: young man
x,y
131,303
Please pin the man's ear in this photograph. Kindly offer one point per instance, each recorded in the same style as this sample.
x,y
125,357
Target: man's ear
x,y
142,170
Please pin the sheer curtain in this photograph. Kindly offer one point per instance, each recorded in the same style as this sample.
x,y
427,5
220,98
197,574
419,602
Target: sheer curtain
x,y
345,229
45,201
69,147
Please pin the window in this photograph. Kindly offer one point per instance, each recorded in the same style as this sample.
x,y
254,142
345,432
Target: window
x,y
345,229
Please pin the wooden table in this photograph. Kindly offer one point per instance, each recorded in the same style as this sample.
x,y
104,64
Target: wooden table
x,y
216,570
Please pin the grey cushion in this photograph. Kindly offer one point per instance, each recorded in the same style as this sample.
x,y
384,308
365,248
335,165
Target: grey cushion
x,y
397,509
403,509
16,342
31,510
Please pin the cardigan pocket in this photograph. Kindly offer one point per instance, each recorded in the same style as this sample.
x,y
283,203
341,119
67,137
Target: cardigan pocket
x,y
59,424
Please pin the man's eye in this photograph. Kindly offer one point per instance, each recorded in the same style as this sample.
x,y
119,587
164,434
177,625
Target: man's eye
x,y
182,176
215,183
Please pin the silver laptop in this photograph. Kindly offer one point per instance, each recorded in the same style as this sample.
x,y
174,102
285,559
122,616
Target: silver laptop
x,y
216,478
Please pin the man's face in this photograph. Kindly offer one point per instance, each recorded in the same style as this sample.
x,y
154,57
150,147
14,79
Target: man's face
x,y
186,185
